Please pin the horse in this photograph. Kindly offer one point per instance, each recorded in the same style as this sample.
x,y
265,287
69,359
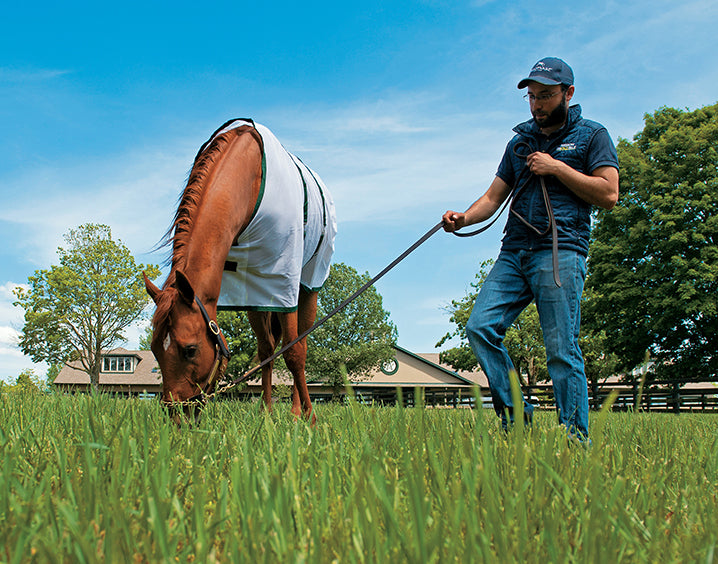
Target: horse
x,y
243,225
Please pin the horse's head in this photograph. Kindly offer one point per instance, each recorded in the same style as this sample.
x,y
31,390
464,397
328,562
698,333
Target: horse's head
x,y
187,344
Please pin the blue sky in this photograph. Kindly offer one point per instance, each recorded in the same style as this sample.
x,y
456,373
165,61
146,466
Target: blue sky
x,y
403,108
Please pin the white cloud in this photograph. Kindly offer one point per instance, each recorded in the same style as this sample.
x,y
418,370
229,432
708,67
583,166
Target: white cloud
x,y
379,159
7,290
12,74
10,315
8,336
383,159
133,193
12,360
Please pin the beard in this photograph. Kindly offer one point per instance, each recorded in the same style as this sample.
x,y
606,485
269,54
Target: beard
x,y
556,117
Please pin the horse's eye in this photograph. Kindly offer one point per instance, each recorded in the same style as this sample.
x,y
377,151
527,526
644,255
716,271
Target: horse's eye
x,y
190,351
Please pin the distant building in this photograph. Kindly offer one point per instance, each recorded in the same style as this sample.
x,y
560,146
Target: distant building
x,y
406,372
122,371
137,372
421,369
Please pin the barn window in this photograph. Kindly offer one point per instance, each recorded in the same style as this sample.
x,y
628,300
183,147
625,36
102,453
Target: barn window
x,y
117,364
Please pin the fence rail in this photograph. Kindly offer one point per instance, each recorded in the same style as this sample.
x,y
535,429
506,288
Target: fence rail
x,y
667,396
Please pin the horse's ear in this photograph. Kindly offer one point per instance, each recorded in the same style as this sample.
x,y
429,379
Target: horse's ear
x,y
152,290
184,287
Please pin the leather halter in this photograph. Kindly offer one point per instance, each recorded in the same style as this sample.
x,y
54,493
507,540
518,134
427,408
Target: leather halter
x,y
221,358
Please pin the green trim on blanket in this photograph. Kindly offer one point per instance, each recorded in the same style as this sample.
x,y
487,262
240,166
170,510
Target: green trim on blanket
x,y
261,187
324,203
257,308
308,289
304,185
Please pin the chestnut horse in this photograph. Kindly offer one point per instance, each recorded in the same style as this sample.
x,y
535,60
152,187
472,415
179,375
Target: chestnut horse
x,y
219,202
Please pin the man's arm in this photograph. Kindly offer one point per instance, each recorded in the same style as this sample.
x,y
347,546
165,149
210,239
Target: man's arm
x,y
481,210
600,188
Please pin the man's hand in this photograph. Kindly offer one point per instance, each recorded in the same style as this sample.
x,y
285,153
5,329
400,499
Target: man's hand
x,y
543,164
453,221
481,210
600,188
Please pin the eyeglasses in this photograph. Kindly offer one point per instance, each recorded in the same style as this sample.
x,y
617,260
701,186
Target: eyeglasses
x,y
541,98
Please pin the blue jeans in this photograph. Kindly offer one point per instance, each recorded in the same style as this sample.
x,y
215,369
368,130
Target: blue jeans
x,y
517,278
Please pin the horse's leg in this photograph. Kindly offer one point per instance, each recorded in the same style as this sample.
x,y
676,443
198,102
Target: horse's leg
x,y
295,358
306,314
261,323
295,324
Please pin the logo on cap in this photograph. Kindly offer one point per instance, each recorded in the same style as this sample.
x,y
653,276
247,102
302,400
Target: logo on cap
x,y
541,67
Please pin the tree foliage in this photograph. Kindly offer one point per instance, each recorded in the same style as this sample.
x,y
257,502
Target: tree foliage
x,y
27,383
599,362
524,343
653,264
358,338
146,338
76,310
52,372
241,341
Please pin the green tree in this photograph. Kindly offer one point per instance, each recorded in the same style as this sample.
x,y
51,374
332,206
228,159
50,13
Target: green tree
x,y
241,342
52,372
523,341
146,339
76,310
356,340
653,263
27,382
599,363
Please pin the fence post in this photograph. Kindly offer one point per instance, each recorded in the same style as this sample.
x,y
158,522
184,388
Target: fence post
x,y
676,398
594,393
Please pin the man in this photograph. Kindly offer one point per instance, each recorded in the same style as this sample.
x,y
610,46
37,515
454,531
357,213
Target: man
x,y
571,162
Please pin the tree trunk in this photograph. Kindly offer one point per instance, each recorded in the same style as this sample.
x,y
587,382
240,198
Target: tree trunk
x,y
531,371
94,373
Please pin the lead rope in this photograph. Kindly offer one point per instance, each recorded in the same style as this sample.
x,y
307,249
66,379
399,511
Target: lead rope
x,y
336,310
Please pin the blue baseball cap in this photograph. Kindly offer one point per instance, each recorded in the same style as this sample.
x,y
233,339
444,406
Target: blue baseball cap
x,y
549,71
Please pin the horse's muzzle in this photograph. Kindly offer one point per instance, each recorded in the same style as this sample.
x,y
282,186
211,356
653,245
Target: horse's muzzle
x,y
185,412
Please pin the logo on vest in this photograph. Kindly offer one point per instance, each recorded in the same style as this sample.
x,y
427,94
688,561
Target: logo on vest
x,y
567,147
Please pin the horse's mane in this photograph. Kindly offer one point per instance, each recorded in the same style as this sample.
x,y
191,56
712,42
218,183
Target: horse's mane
x,y
191,198
180,231
178,234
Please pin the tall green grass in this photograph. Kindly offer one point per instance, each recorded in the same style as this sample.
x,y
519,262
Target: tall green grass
x,y
97,479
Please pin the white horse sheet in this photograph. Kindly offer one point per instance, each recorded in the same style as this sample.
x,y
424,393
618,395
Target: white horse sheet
x,y
288,242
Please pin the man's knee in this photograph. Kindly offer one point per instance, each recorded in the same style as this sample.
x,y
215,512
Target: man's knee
x,y
479,332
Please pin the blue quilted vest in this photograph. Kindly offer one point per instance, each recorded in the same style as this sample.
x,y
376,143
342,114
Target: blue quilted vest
x,y
571,144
